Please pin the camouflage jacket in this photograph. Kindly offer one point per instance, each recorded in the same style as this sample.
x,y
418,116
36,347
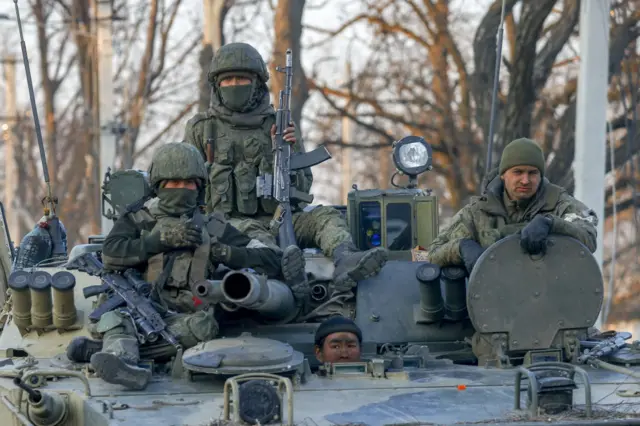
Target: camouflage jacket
x,y
492,216
126,246
241,154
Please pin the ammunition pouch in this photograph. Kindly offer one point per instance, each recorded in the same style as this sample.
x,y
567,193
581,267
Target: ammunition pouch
x,y
246,195
220,189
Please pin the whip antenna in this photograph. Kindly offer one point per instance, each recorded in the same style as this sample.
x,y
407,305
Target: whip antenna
x,y
34,110
494,95
50,221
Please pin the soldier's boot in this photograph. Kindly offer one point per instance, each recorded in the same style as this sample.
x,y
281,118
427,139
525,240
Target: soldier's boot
x,y
81,348
113,369
293,270
353,265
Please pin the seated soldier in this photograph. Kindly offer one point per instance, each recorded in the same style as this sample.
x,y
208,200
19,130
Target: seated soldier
x,y
240,125
521,200
175,246
338,339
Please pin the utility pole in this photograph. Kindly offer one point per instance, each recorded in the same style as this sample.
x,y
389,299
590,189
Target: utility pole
x,y
10,166
345,158
214,11
347,139
591,116
105,81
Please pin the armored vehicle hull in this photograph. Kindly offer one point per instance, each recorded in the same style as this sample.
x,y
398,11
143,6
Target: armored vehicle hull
x,y
511,343
417,366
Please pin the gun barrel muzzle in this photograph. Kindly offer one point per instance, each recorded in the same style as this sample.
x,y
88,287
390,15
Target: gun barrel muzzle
x,y
271,298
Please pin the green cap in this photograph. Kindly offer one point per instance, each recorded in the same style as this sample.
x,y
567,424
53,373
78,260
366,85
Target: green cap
x,y
522,152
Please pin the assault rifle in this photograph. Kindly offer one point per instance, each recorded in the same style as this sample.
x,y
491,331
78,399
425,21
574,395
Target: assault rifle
x,y
609,346
286,164
127,289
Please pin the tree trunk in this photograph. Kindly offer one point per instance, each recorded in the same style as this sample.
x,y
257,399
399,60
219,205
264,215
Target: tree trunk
x,y
288,31
215,12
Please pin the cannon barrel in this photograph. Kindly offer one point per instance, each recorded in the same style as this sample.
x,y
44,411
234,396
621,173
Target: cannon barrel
x,y
271,298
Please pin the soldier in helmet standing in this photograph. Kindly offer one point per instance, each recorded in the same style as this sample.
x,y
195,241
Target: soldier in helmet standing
x,y
175,246
241,124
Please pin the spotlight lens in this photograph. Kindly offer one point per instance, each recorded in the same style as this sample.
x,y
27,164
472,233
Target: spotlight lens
x,y
413,155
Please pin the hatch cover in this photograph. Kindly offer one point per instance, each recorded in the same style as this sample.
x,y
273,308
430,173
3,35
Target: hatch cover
x,y
533,297
240,355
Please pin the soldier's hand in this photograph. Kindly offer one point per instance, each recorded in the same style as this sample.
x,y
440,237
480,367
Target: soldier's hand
x,y
533,238
180,235
289,133
470,252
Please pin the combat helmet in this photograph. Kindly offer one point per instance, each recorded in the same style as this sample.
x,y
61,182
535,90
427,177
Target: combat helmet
x,y
238,57
177,161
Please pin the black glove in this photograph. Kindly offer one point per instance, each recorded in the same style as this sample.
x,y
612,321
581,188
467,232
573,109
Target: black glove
x,y
533,238
470,251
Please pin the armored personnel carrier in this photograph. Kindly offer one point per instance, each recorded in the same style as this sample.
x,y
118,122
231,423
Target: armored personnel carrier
x,y
535,314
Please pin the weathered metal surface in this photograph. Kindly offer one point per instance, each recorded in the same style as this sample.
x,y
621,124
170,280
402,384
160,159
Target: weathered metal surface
x,y
533,297
241,355
437,395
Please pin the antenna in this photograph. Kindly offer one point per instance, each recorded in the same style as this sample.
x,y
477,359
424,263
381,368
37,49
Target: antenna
x,y
54,226
494,95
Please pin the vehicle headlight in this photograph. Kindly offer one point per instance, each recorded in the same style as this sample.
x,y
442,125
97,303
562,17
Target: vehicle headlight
x,y
412,155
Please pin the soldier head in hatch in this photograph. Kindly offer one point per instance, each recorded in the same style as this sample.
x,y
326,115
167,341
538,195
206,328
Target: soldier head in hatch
x,y
338,339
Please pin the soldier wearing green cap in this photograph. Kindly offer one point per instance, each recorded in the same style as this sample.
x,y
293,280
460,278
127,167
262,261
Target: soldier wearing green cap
x,y
235,137
518,199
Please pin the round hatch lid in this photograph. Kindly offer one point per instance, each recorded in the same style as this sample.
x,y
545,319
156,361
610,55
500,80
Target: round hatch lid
x,y
240,355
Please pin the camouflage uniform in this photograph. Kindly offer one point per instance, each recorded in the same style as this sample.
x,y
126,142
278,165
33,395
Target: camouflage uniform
x,y
176,247
239,122
493,216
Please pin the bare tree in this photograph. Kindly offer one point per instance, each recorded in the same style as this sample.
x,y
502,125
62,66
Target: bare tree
x,y
155,86
425,83
154,91
420,80
215,12
287,23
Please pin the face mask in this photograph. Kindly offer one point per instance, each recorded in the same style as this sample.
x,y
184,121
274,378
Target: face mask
x,y
236,97
177,201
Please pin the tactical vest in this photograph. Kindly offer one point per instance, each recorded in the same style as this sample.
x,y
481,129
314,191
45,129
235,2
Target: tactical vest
x,y
189,267
240,155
